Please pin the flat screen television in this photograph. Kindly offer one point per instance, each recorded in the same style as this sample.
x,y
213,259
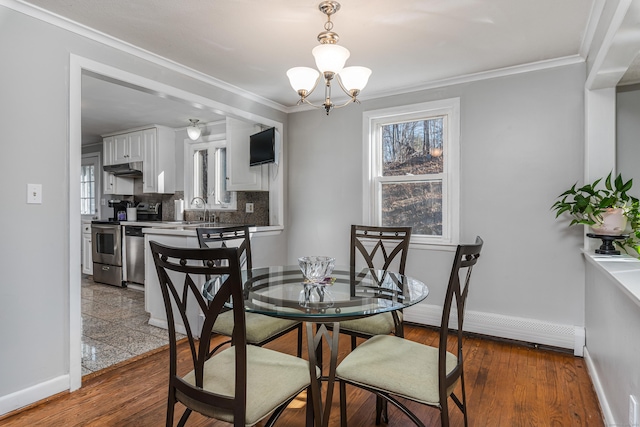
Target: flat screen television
x,y
262,147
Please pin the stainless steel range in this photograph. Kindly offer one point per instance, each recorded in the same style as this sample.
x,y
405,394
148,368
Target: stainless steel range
x,y
109,244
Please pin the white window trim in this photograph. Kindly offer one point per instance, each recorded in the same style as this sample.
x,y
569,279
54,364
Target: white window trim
x,y
95,159
450,176
210,142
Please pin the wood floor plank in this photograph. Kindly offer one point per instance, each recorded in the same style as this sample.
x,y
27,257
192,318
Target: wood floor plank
x,y
507,385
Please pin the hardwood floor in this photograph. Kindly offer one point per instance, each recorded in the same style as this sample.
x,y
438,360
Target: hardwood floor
x,y
507,385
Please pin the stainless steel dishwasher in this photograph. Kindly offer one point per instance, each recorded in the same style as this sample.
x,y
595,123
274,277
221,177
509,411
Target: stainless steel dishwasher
x,y
134,257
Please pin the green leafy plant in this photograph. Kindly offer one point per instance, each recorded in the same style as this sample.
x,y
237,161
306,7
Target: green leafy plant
x,y
587,203
633,241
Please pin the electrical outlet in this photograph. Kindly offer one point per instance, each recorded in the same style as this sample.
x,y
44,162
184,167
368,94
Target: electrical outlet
x,y
633,411
249,208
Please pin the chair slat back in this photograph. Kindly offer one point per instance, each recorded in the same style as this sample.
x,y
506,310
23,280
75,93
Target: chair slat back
x,y
228,237
182,273
465,259
380,247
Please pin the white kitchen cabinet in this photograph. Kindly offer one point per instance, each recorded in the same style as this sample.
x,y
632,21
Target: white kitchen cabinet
x,y
154,147
108,148
87,257
241,176
158,163
128,147
111,184
117,185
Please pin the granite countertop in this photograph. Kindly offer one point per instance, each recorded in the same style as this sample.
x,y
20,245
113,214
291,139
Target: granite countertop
x,y
188,228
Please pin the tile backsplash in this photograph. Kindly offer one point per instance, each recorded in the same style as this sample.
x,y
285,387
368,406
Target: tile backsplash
x,y
259,216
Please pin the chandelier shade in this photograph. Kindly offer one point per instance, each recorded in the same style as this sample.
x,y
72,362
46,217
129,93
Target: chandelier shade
x,y
193,130
330,61
303,78
354,78
330,57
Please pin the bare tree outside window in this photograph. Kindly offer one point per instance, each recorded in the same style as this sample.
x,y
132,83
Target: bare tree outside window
x,y
412,161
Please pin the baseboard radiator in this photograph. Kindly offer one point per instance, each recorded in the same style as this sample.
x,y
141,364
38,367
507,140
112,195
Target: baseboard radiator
x,y
510,327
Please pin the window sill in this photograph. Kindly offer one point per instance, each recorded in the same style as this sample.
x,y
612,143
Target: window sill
x,y
624,269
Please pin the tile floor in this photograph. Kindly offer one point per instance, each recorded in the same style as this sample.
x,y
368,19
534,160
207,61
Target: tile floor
x,y
114,326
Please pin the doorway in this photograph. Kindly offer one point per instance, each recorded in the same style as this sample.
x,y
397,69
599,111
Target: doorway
x,y
80,66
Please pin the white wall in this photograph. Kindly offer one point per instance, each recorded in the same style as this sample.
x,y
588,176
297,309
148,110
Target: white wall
x,y
37,240
521,146
613,322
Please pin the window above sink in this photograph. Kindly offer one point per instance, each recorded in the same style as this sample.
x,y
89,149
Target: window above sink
x,y
205,167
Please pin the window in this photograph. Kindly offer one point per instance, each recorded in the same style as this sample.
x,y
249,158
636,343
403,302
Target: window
x,y
89,184
206,169
411,176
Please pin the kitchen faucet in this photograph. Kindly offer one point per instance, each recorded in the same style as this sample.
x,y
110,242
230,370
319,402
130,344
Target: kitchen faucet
x,y
205,211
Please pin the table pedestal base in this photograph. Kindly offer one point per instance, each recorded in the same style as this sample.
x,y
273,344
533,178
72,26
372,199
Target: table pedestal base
x,y
314,342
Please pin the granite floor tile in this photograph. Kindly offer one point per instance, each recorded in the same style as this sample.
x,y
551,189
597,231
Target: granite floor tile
x,y
135,342
97,355
115,326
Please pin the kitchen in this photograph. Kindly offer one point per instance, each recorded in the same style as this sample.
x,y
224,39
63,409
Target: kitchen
x,y
130,196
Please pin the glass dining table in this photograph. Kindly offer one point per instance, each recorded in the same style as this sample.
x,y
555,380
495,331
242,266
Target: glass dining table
x,y
347,294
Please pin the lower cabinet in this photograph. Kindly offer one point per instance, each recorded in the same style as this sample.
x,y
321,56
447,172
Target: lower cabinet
x,y
87,258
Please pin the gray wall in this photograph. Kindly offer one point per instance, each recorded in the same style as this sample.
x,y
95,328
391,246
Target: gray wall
x,y
521,146
35,244
521,140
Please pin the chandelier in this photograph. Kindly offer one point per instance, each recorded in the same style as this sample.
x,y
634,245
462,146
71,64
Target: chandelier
x,y
330,59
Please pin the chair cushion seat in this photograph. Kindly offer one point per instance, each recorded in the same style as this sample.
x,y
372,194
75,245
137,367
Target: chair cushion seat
x,y
272,378
259,327
396,365
378,324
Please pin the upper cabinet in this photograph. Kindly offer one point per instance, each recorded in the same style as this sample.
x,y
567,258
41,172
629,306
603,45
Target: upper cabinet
x,y
241,176
128,147
154,147
112,184
159,160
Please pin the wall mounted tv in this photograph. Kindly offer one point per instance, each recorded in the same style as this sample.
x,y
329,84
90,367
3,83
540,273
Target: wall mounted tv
x,y
262,147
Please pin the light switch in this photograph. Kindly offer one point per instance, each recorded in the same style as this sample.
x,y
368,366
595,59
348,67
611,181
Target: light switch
x,y
34,193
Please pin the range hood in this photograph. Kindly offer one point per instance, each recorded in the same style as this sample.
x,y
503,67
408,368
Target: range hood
x,y
125,169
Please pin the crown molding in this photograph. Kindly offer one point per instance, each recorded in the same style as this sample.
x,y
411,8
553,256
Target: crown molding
x,y
484,75
92,34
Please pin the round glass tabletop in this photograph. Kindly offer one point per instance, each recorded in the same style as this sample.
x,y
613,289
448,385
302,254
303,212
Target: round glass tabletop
x,y
284,292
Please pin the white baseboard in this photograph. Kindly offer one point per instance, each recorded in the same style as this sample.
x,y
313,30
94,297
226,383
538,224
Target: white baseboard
x,y
597,385
162,323
498,325
32,394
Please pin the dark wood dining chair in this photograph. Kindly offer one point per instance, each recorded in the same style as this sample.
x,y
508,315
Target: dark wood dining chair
x,y
380,248
392,367
242,384
261,329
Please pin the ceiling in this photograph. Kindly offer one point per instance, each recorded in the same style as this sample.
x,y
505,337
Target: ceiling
x,y
250,44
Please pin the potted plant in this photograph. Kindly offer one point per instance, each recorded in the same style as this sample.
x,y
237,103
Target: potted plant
x,y
606,210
